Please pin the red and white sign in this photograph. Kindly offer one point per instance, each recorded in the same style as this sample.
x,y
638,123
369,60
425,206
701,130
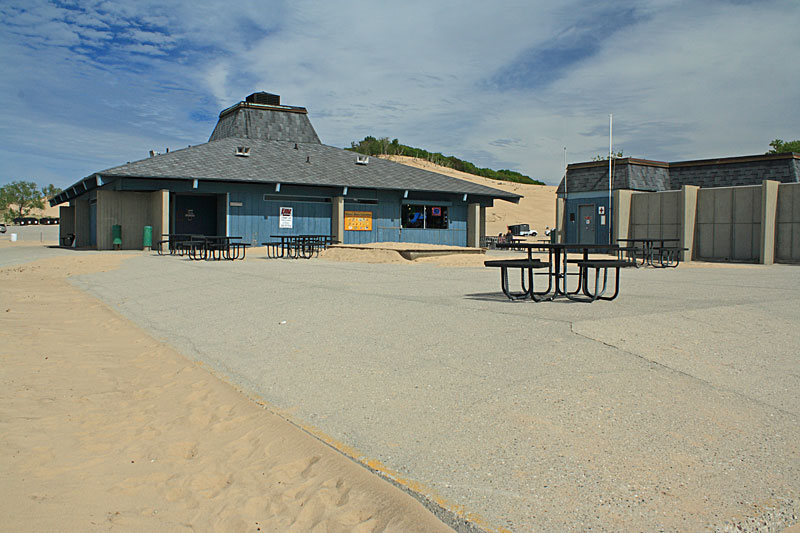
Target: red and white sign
x,y
287,214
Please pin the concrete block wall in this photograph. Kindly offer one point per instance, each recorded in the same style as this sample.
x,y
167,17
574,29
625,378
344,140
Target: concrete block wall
x,y
655,215
729,224
758,223
787,232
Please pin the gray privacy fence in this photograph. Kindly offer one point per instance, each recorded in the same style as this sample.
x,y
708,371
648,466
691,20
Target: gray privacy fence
x,y
655,215
753,223
729,224
787,242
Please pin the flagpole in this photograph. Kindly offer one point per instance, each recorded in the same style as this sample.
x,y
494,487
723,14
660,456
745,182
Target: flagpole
x,y
566,198
610,158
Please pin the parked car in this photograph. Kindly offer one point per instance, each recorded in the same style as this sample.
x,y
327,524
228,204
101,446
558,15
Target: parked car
x,y
48,220
26,221
523,230
2,228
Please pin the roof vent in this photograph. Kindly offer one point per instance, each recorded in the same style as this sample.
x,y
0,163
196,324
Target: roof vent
x,y
263,98
362,159
243,151
153,153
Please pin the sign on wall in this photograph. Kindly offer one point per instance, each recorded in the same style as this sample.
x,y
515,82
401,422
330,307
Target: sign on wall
x,y
287,214
358,220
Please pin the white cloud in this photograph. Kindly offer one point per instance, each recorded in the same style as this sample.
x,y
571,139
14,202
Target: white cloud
x,y
683,79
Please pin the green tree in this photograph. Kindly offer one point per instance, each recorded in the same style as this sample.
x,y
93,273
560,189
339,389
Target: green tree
x,y
49,191
20,197
618,155
780,147
372,146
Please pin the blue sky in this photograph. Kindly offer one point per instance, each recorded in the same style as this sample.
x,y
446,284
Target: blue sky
x,y
88,85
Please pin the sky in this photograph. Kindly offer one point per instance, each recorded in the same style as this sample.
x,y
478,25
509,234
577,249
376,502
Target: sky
x,y
88,85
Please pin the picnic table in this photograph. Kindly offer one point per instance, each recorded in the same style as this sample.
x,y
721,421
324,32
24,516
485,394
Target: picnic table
x,y
173,242
204,247
557,271
297,246
658,256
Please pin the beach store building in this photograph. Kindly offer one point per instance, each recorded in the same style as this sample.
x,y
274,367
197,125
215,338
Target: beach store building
x,y
264,172
743,208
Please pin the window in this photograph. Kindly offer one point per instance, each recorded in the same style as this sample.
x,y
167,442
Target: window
x,y
424,216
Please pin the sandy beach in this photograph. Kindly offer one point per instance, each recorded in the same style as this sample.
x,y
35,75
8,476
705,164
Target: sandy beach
x,y
123,409
105,428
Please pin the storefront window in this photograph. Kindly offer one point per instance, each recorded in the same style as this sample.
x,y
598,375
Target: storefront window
x,y
424,217
435,217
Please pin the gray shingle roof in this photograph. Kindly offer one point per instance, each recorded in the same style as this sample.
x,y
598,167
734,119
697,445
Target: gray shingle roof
x,y
268,123
309,164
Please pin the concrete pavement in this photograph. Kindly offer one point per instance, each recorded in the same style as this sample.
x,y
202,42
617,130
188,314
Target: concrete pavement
x,y
674,407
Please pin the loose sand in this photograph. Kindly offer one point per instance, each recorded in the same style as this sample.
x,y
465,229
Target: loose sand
x,y
102,427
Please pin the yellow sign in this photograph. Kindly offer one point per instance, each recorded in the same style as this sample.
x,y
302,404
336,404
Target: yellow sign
x,y
358,220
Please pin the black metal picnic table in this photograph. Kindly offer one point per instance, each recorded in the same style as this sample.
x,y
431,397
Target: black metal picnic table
x,y
296,246
655,256
557,270
210,247
173,242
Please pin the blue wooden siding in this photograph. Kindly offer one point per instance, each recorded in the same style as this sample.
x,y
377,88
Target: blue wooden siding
x,y
386,223
256,220
385,219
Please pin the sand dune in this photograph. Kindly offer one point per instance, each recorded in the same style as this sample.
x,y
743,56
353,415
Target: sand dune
x,y
103,427
537,208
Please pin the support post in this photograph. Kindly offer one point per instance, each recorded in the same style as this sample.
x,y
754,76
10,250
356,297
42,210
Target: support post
x,y
621,215
164,217
688,219
337,218
561,220
769,217
473,225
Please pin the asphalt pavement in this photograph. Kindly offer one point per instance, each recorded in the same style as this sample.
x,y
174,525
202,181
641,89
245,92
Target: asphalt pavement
x,y
674,407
